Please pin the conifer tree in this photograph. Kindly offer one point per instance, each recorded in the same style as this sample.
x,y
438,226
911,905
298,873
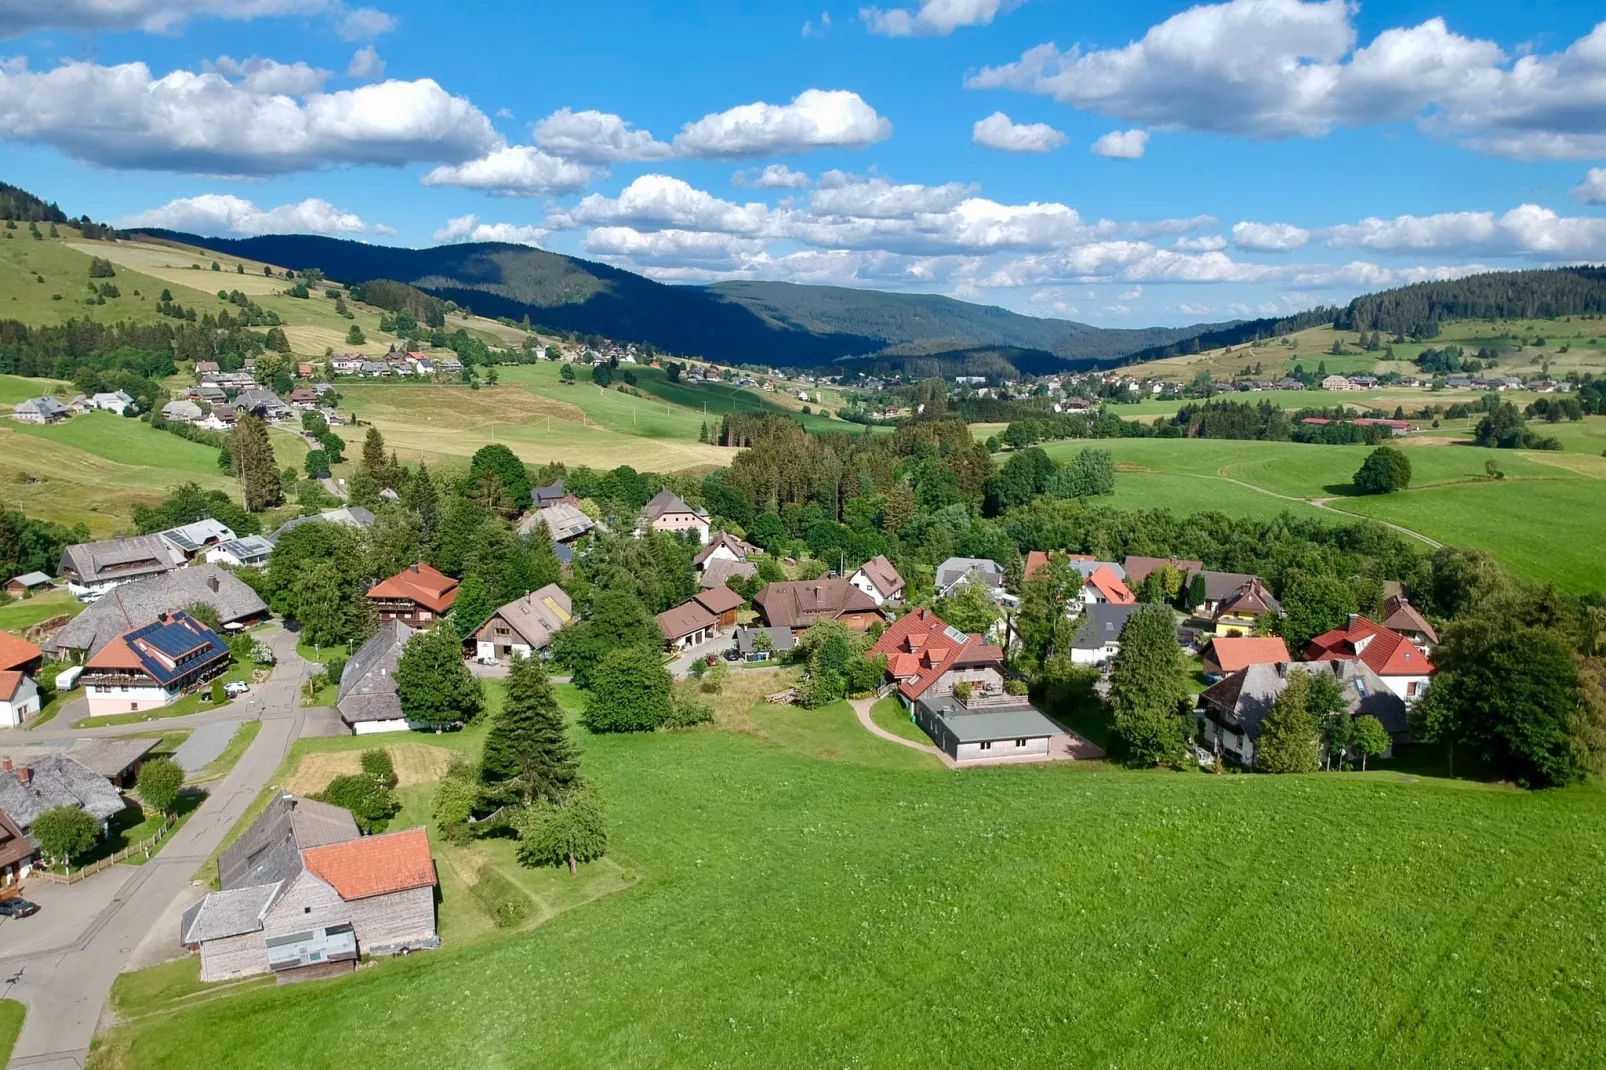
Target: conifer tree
x,y
252,457
1288,736
527,751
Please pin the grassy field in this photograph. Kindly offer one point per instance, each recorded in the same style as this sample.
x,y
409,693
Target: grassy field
x,y
1542,520
813,896
11,1015
17,617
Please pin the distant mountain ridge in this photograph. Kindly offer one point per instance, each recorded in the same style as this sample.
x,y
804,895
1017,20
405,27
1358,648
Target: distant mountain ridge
x,y
777,323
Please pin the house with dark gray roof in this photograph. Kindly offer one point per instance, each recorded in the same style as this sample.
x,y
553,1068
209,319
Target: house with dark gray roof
x,y
270,850
367,698
26,791
1098,635
352,516
136,604
1232,711
40,410
97,567
781,641
980,571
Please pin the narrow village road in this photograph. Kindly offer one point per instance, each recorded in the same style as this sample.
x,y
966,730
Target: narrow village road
x,y
65,987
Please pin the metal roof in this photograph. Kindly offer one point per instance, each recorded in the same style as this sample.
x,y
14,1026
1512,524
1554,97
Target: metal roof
x,y
992,724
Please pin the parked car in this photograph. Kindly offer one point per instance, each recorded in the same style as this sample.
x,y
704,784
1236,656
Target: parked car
x,y
733,654
236,688
17,908
487,661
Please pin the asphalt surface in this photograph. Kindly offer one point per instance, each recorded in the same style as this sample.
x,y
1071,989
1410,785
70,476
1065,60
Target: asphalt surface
x,y
65,986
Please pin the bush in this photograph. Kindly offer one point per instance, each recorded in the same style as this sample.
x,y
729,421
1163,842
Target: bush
x,y
377,764
501,899
371,803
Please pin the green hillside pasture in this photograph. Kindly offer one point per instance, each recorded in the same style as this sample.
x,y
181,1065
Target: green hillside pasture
x,y
118,438
441,423
811,901
1387,398
720,398
65,269
15,388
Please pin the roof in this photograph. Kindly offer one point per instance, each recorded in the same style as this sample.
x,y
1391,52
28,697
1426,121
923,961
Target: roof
x,y
879,571
191,537
684,619
247,548
799,603
1233,654
781,639
420,583
134,604
1401,616
16,652
352,516
724,539
1107,583
720,571
1023,721
1102,624
1220,585
45,405
563,522
14,846
126,558
543,496
1252,599
1138,568
667,501
165,650
1086,564
719,600
57,780
374,865
368,683
1388,653
921,646
538,615
10,680
109,757
970,569
270,849
228,913
31,579
1242,698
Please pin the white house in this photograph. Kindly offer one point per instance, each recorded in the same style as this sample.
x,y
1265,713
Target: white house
x,y
1098,638
149,667
116,401
878,579
252,551
19,698
367,699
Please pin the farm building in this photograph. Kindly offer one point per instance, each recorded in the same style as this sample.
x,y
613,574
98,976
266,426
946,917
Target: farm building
x,y
525,625
367,698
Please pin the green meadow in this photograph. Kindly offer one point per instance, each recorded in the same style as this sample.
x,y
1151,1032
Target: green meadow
x,y
810,895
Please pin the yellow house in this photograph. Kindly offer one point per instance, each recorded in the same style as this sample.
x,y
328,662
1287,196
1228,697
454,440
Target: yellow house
x,y
1241,611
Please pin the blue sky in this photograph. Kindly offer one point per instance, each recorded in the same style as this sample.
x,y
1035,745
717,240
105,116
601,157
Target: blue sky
x,y
1120,164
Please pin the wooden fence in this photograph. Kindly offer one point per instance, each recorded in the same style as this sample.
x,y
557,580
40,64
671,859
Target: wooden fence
x,y
74,876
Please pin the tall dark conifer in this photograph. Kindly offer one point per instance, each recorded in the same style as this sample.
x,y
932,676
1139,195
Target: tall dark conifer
x,y
527,751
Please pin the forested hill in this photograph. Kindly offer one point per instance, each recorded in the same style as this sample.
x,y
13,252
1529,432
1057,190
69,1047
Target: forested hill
x,y
770,323
23,206
1418,310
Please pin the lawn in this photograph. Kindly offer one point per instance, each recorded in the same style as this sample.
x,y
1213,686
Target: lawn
x,y
15,388
24,613
813,896
889,715
11,1015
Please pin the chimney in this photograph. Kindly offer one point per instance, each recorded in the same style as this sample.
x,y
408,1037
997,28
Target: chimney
x,y
22,774
5,765
415,568
212,582
1353,618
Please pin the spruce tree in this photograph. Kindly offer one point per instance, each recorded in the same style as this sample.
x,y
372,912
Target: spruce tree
x,y
374,461
11,548
527,751
1147,686
1288,736
252,457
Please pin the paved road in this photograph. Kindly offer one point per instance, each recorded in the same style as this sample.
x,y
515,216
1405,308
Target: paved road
x,y
65,987
205,743
680,668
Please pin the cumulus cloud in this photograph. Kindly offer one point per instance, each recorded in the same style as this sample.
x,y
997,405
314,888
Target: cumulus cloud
x,y
1288,68
935,18
1188,308
1207,243
1527,230
1122,144
366,64
595,137
18,17
1592,190
775,176
362,23
468,228
123,117
1269,237
842,194
224,214
998,132
820,29
514,171
660,202
815,119
269,77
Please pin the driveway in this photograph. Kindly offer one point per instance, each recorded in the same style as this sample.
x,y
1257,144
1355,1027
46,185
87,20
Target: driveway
x,y
205,744
680,667
65,985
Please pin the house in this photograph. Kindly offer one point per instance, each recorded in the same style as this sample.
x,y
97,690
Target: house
x,y
722,602
564,523
687,625
346,365
718,572
1138,568
17,852
1103,582
953,684
373,369
1363,382
143,601
1223,655
182,412
210,393
263,404
668,511
781,641
97,567
252,551
80,405
878,579
188,540
724,546
26,584
205,366
1399,615
1394,658
117,758
303,397
19,698
367,698
800,603
1232,711
1289,383
149,667
41,410
19,654
1240,612
116,401
1218,587
525,625
980,571
449,365
416,596
221,418
1338,382
541,497
352,516
302,895
30,788
1098,637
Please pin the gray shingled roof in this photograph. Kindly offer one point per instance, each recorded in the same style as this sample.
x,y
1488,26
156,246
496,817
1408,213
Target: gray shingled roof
x,y
134,556
228,913
353,516
368,684
1242,698
981,570
270,850
721,570
134,605
1102,624
53,781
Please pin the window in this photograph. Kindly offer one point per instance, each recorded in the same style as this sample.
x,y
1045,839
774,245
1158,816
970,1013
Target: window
x,y
987,745
1020,743
1412,688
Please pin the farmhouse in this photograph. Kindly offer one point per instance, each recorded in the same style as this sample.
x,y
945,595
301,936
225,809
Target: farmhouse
x,y
1098,638
416,596
1223,655
182,411
97,567
718,572
1338,382
1394,658
116,401
41,410
878,579
981,571
252,551
541,497
367,698
352,516
143,601
1232,711
668,511
564,523
525,625
798,604
724,547
29,789
149,667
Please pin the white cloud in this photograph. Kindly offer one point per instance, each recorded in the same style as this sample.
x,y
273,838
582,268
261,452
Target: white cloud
x,y
1122,144
1269,237
1132,294
660,202
1190,309
673,247
366,64
775,176
504,113
468,228
1527,230
815,119
1207,243
18,17
122,117
998,132
936,18
1592,190
514,171
842,194
224,214
365,22
268,77
595,137
810,29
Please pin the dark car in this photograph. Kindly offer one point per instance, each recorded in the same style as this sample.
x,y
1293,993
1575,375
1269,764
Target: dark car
x,y
17,908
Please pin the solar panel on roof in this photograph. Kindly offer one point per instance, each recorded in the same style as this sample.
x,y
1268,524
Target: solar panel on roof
x,y
174,640
955,634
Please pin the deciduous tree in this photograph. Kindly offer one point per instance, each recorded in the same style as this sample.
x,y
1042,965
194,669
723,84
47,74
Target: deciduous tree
x,y
433,684
1369,738
64,832
160,781
629,691
566,834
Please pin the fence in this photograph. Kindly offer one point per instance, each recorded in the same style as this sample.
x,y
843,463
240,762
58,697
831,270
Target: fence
x,y
87,871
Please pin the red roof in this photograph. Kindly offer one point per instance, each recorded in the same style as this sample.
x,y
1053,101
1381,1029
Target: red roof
x,y
423,584
1108,584
15,652
677,622
116,654
1387,653
1036,559
10,680
373,865
720,599
1233,654
921,646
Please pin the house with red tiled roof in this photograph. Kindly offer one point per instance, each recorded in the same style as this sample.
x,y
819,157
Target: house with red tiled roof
x,y
19,654
1399,615
1223,655
1394,658
1103,582
417,596
19,698
150,667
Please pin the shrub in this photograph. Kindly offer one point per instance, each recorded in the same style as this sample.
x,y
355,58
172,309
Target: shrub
x,y
377,764
371,803
501,899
